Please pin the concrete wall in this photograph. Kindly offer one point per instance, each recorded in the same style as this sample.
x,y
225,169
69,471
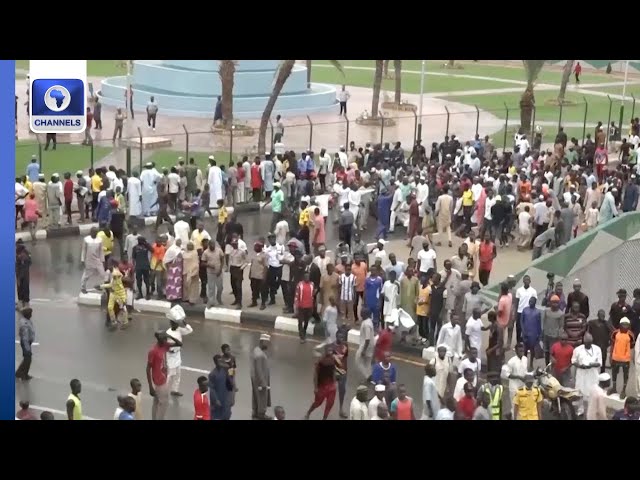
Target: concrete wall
x,y
605,260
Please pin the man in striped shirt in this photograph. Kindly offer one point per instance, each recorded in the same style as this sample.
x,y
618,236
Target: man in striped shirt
x,y
347,294
305,294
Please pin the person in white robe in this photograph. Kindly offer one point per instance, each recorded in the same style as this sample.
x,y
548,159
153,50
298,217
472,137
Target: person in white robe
x,y
214,179
134,195
396,204
422,195
174,355
587,358
182,231
390,291
451,336
608,209
247,179
92,257
354,197
442,364
131,241
149,190
514,370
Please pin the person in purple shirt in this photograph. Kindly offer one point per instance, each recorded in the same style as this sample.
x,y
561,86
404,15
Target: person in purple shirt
x,y
372,292
384,370
531,330
128,407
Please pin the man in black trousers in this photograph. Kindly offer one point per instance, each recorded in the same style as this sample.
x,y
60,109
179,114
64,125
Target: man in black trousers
x,y
27,336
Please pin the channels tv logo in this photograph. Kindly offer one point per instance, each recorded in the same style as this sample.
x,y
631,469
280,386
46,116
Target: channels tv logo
x,y
58,105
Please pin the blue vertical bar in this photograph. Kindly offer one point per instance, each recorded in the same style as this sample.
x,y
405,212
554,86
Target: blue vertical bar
x,y
7,241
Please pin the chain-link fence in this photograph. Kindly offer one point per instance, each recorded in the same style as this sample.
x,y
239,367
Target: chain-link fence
x,y
579,119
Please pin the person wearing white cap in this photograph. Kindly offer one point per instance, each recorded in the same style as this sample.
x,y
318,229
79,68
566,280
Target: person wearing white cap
x,y
260,379
214,179
587,358
148,179
430,396
55,199
597,408
379,398
358,409
622,341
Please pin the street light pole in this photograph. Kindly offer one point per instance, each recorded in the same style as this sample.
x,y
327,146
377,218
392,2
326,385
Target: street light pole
x,y
419,136
624,92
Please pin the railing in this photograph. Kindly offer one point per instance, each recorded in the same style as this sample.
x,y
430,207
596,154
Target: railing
x,y
579,120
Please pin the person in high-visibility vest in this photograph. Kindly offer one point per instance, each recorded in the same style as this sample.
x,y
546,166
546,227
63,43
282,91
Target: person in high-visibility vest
x,y
495,390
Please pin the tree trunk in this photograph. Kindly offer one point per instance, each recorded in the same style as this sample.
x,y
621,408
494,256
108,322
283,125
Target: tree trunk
x,y
566,75
377,84
281,77
309,73
227,71
386,68
397,67
527,104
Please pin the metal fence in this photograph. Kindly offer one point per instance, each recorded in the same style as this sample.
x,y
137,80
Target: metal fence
x,y
578,119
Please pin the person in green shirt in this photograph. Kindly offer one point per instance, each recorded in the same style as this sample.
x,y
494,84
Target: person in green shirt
x,y
276,200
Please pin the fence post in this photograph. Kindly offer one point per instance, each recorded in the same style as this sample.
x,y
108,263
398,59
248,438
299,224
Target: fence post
x,y
584,123
231,143
128,154
506,123
606,140
477,118
448,118
271,127
310,132
92,154
39,151
415,125
633,107
140,140
560,117
186,148
347,120
382,128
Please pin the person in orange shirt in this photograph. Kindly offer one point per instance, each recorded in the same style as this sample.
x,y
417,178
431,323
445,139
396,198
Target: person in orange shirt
x,y
158,249
622,342
359,269
525,188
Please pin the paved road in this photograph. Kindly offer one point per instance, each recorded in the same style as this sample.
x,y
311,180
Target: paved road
x,y
73,343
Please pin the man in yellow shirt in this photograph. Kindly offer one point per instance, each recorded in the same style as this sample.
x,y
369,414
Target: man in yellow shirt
x,y
96,187
423,307
106,235
303,221
223,215
467,207
527,402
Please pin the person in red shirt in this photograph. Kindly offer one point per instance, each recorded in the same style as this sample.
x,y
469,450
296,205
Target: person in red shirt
x,y
68,196
385,339
486,253
561,353
201,400
256,180
157,374
304,305
25,413
324,380
467,404
577,70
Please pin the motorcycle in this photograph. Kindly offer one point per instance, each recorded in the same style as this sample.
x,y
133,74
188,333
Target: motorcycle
x,y
564,403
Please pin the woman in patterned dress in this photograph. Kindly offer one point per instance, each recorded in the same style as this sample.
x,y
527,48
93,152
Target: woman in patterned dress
x,y
173,264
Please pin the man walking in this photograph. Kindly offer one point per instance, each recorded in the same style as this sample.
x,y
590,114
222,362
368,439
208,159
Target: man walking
x,y
27,335
23,265
174,356
157,375
92,257
213,258
152,111
260,379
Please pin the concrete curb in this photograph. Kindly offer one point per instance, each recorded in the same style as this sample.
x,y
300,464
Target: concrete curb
x,y
243,317
84,228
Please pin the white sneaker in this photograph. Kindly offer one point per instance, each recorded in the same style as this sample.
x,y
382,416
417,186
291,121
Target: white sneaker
x,y
154,129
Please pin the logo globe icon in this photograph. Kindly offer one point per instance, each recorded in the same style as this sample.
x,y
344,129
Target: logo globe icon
x,y
57,98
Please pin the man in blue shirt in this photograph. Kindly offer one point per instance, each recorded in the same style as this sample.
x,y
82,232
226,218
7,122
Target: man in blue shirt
x,y
531,329
372,291
384,213
33,169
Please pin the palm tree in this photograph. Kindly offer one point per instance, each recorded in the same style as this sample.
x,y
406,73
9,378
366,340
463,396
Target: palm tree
x,y
377,84
397,71
532,69
227,71
282,74
566,75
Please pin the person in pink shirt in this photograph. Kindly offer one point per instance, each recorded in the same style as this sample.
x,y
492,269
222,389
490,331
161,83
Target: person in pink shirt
x,y
504,306
31,214
319,237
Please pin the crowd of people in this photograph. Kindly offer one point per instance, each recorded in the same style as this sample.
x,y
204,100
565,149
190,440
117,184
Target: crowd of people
x,y
540,199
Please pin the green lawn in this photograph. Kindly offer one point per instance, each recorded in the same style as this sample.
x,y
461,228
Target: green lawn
x,y
598,109
95,68
509,73
66,158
